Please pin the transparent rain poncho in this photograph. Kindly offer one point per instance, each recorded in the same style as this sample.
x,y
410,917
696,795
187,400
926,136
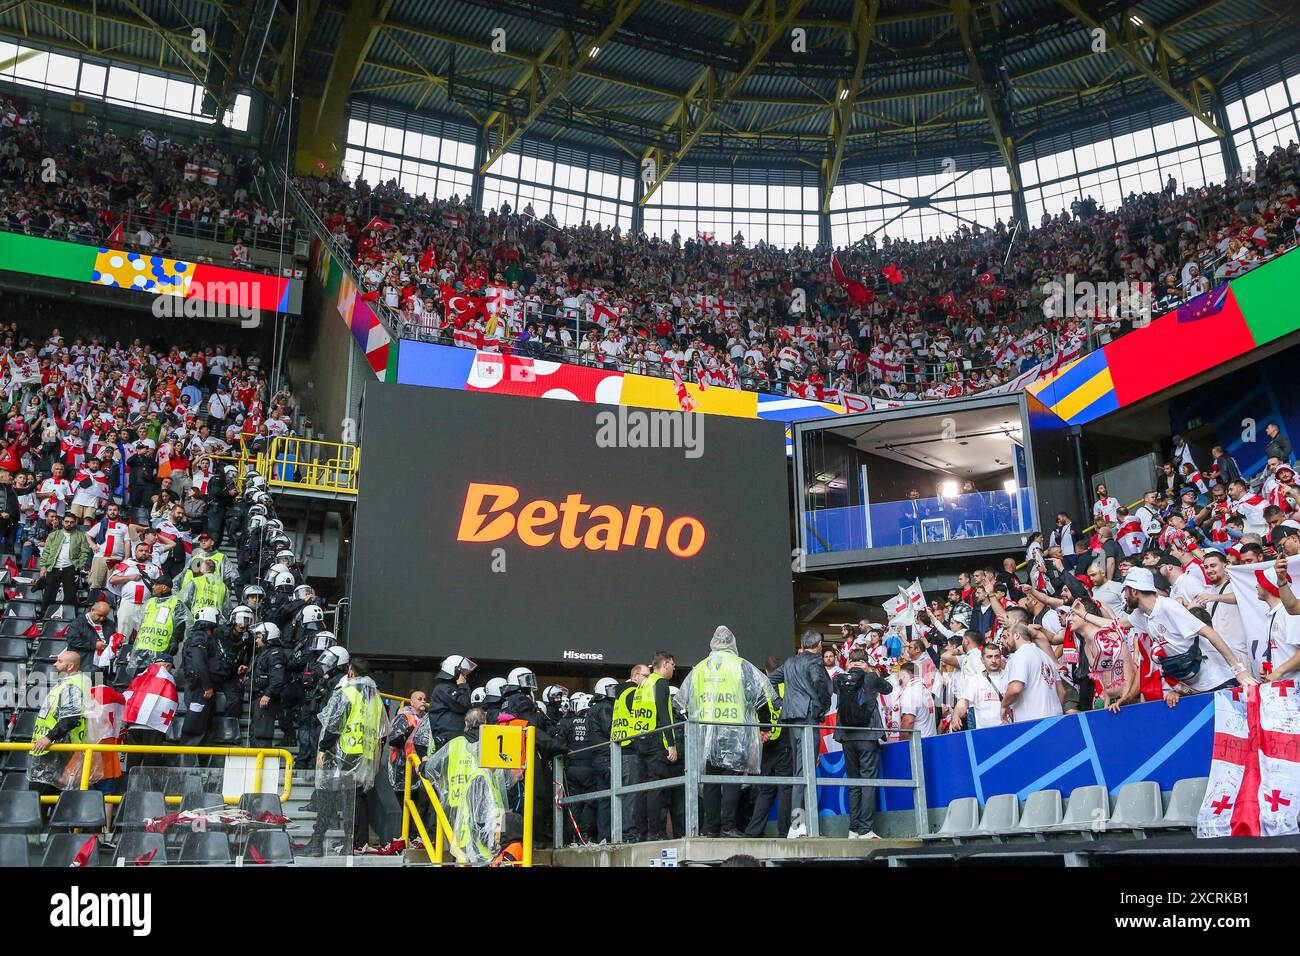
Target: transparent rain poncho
x,y
69,698
726,690
473,797
355,712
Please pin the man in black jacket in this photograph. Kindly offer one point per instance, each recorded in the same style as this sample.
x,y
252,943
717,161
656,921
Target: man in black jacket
x,y
85,633
859,733
600,720
10,513
449,701
1279,446
807,698
776,763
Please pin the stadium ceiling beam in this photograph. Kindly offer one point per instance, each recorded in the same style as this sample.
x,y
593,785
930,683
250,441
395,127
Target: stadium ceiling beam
x,y
845,26
1157,72
127,58
569,69
776,28
963,14
864,24
1167,48
179,47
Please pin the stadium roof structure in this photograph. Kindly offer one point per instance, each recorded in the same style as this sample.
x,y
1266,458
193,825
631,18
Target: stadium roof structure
x,y
817,83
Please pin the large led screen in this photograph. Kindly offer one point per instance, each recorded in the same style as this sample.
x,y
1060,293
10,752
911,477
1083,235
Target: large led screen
x,y
510,529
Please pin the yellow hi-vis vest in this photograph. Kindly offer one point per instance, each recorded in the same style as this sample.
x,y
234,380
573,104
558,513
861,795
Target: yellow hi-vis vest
x,y
360,733
775,708
218,559
719,690
209,591
156,626
645,715
621,725
463,771
49,715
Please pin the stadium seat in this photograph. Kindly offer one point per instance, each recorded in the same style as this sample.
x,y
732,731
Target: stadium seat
x,y
205,847
1184,804
67,613
11,674
201,800
78,810
15,761
13,781
62,848
273,846
1042,811
1001,815
48,647
134,845
136,807
20,811
12,648
258,803
23,726
21,611
224,732
16,627
1087,814
1137,807
183,781
13,850
961,818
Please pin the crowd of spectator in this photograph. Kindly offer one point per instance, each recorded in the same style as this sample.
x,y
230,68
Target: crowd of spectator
x,y
130,189
946,317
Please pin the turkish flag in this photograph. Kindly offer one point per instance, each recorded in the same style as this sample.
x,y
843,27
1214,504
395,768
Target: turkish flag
x,y
892,273
858,293
462,308
377,224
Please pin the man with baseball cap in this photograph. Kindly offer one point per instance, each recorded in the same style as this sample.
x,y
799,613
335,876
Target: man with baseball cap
x,y
1178,639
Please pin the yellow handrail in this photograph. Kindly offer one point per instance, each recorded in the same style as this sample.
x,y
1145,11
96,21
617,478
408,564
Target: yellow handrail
x,y
259,752
411,813
404,700
313,464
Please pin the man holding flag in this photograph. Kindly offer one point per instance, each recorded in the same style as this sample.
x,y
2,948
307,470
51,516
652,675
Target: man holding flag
x,y
150,709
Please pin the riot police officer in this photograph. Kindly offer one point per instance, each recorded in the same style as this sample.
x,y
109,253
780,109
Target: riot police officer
x,y
200,693
600,721
267,682
579,771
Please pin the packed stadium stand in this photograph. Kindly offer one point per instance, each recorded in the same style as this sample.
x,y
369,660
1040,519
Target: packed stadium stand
x,y
887,461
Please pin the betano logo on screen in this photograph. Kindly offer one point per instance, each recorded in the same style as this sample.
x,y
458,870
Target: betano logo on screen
x,y
606,527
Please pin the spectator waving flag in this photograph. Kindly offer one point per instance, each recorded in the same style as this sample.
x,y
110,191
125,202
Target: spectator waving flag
x,y
151,699
452,220
462,308
858,293
683,393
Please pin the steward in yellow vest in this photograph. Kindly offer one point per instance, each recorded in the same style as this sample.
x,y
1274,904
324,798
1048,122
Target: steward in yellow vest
x,y
61,720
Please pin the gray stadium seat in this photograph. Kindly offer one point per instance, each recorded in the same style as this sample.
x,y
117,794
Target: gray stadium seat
x,y
961,818
16,628
136,807
20,811
1001,815
48,647
1184,804
274,846
15,761
13,781
24,726
1042,811
78,810
224,732
1088,812
258,803
1137,807
13,648
134,845
67,613
200,800
13,850
206,847
62,849
21,610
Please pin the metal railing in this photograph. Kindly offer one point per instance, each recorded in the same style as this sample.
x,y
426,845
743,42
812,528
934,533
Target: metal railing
x,y
692,779
306,463
260,753
445,836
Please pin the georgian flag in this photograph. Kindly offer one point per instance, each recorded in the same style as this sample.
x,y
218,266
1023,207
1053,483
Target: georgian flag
x,y
1254,786
684,398
602,315
191,172
151,700
452,220
209,175
133,388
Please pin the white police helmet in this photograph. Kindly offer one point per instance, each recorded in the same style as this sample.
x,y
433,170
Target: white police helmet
x,y
579,703
456,664
522,678
313,614
477,696
495,687
205,615
335,657
269,631
606,686
304,592
243,614
323,640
